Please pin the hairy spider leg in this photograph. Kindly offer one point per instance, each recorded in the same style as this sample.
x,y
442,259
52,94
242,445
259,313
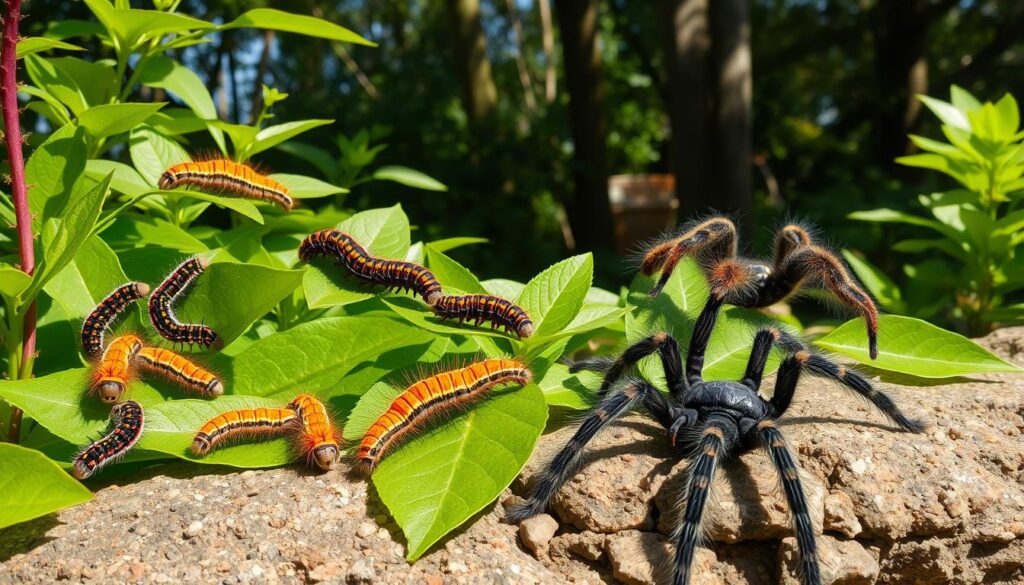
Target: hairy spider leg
x,y
789,476
715,441
765,339
567,461
712,239
661,342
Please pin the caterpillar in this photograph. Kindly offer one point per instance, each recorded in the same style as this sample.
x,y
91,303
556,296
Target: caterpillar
x,y
113,372
127,420
227,176
161,307
480,308
100,319
269,422
425,399
319,439
397,274
179,370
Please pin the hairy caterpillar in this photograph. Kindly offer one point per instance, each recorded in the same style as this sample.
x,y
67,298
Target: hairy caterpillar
x,y
247,422
227,176
161,307
480,308
425,399
127,419
112,373
100,319
179,370
397,274
319,440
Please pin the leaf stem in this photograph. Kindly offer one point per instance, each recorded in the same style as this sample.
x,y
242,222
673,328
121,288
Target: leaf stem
x,y
22,366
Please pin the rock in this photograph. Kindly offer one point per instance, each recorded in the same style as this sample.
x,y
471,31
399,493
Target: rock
x,y
326,572
840,515
361,572
640,558
842,562
535,533
194,529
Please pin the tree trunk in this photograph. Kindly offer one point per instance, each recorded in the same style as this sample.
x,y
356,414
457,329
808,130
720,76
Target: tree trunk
x,y
731,136
588,208
480,97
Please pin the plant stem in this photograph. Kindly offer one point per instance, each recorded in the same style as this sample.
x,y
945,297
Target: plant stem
x,y
19,192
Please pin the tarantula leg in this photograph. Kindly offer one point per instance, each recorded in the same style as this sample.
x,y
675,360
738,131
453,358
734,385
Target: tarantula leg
x,y
596,363
566,462
804,360
703,464
789,476
713,239
660,342
820,265
788,239
765,339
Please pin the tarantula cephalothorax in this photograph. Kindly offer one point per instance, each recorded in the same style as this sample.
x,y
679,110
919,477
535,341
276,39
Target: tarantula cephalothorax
x,y
709,421
712,242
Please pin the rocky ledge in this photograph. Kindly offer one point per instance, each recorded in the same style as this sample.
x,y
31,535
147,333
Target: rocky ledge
x,y
943,507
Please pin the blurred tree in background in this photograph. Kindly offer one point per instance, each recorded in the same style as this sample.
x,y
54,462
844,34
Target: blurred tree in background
x,y
771,108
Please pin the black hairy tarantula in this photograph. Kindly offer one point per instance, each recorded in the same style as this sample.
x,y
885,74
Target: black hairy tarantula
x,y
708,421
760,283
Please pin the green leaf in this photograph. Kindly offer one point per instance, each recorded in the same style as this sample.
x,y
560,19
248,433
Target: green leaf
x,y
13,281
273,135
111,119
55,82
124,179
446,244
302,187
553,297
52,173
946,112
152,154
244,207
315,357
433,484
166,73
314,155
133,26
452,274
383,232
576,391
409,178
962,99
32,45
893,216
31,485
916,347
268,18
95,79
509,289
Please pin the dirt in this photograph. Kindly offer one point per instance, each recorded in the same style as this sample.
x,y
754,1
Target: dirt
x,y
943,507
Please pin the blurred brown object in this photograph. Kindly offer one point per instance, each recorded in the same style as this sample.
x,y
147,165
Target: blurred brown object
x,y
643,206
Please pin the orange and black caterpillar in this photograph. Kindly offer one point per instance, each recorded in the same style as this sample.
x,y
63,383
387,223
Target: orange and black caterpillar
x,y
397,274
114,370
319,440
100,319
161,307
480,308
127,419
247,422
439,393
179,370
227,176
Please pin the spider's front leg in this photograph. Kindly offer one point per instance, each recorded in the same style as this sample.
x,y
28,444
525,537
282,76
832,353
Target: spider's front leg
x,y
711,240
614,368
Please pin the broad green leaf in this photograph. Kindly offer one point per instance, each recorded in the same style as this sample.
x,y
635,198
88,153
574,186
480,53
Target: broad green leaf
x,y
916,347
315,357
591,317
111,119
166,73
553,297
962,99
302,187
150,233
314,155
71,27
55,82
13,281
124,179
446,244
32,45
50,108
576,391
893,216
95,79
242,206
152,154
271,136
241,135
53,171
452,274
454,469
133,26
31,485
946,112
371,405
268,18
409,178
383,232
509,289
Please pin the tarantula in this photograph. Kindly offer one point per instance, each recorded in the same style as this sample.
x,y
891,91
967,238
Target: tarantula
x,y
712,242
708,421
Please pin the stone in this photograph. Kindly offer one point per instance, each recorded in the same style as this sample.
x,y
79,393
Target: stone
x,y
536,532
842,562
840,515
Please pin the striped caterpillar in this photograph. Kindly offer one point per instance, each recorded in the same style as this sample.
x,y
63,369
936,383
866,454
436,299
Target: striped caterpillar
x,y
114,370
247,422
319,440
480,308
100,319
431,396
161,307
396,274
181,371
227,176
127,421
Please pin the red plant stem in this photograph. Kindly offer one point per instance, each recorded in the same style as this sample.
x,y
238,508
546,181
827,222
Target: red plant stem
x,y
19,192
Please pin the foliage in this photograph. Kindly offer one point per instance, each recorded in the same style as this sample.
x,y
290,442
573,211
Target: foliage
x,y
973,263
31,486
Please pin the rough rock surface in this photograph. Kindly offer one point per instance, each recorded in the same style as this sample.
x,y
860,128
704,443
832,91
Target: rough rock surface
x,y
943,507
